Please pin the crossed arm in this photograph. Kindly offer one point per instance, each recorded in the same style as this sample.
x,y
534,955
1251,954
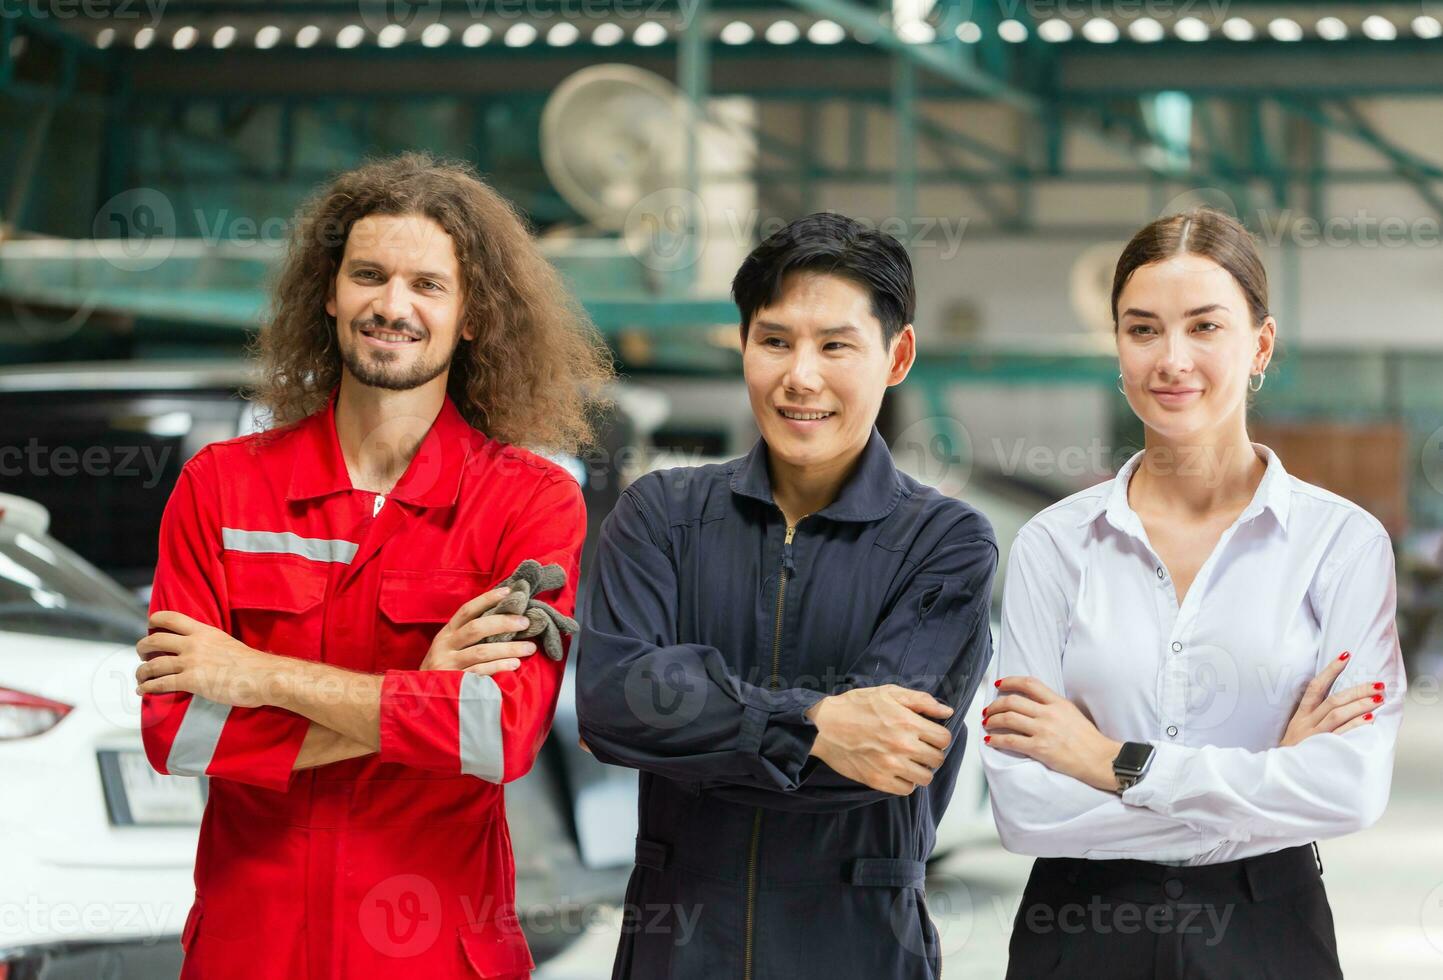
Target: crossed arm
x,y
1050,769
343,706
213,705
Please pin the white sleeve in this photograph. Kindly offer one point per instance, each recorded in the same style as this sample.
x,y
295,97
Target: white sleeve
x,y
1045,813
1327,785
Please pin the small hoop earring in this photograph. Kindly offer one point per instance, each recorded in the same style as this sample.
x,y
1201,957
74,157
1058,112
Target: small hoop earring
x,y
1261,376
1120,390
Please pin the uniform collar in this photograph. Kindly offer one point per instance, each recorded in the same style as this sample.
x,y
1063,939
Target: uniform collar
x,y
432,479
1274,494
870,493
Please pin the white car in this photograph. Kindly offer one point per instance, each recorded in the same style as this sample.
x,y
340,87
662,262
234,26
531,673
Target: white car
x,y
95,867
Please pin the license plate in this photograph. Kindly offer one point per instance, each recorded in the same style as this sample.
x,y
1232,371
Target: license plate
x,y
138,795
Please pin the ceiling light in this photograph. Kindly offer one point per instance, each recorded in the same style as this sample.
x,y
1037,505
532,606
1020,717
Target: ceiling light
x,y
826,32
649,34
606,35
1146,30
1100,31
1055,30
1379,28
1237,29
782,32
1012,31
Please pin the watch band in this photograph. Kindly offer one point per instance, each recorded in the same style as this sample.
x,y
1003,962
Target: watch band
x,y
1131,764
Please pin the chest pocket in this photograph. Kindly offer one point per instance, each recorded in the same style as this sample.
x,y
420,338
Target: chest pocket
x,y
414,607
277,602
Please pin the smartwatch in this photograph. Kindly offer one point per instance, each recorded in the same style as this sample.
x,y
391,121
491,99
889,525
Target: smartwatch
x,y
1131,764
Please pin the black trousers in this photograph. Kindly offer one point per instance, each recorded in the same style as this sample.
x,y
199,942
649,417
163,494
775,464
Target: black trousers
x,y
1262,918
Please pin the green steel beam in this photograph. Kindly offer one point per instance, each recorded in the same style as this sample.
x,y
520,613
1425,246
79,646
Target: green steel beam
x,y
1413,170
1409,167
998,158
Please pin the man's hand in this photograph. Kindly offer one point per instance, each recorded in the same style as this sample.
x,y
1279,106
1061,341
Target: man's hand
x,y
1317,713
878,736
458,646
203,660
1043,725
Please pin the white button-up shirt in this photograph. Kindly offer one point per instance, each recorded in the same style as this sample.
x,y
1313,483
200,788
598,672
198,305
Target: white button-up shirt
x,y
1090,610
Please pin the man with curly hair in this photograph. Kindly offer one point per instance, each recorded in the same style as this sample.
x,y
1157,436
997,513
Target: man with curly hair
x,y
325,588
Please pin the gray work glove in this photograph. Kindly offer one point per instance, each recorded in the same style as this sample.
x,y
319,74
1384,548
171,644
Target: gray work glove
x,y
529,579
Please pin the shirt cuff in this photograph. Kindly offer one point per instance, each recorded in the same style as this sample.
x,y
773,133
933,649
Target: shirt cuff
x,y
1156,789
789,735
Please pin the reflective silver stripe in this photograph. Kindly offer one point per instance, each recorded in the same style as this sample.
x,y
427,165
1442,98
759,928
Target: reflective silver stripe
x,y
197,737
480,709
286,543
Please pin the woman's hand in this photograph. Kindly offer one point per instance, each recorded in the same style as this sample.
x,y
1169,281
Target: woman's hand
x,y
458,646
1342,712
1035,721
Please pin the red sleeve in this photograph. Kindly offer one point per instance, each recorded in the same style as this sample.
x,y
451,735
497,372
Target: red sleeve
x,y
492,727
190,736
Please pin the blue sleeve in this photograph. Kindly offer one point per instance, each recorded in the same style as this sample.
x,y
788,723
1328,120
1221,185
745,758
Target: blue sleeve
x,y
645,701
936,639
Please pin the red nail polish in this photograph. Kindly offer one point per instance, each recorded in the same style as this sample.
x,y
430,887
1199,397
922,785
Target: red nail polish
x,y
1344,655
1368,716
984,719
1378,686
1377,699
986,738
984,712
997,683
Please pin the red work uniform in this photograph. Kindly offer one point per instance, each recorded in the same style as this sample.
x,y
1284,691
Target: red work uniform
x,y
397,863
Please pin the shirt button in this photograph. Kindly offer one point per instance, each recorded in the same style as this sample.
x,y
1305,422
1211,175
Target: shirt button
x,y
1172,731
1159,571
1177,647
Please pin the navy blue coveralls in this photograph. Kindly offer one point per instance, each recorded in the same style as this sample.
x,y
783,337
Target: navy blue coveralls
x,y
710,628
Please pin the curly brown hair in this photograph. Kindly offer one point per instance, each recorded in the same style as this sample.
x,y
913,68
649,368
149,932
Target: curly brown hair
x,y
537,371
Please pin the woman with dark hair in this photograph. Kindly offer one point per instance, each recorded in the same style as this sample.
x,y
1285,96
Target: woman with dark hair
x,y
1200,667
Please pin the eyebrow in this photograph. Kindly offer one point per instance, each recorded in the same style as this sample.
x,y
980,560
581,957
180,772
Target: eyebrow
x,y
1196,311
355,264
845,328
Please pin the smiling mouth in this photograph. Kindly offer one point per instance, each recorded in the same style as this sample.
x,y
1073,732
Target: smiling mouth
x,y
389,336
804,416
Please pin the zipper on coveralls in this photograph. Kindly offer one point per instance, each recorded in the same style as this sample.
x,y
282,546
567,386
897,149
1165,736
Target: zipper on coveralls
x,y
788,567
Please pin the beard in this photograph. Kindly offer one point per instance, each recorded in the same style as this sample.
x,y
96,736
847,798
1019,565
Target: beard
x,y
378,368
